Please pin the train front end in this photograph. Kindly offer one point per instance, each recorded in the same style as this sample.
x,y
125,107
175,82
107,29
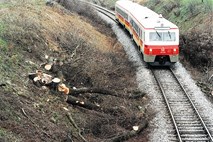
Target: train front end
x,y
162,45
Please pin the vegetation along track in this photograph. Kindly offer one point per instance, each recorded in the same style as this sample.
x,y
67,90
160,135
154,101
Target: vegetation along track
x,y
188,123
102,10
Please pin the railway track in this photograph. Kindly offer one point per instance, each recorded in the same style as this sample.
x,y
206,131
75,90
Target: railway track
x,y
188,123
102,10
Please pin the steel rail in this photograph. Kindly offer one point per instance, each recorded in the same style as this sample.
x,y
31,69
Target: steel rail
x,y
103,10
190,100
168,106
95,5
106,14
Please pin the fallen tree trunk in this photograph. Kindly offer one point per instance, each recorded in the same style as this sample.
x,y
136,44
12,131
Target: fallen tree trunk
x,y
93,90
88,105
137,96
127,135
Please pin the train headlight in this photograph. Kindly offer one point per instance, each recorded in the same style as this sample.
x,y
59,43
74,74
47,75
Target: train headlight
x,y
175,50
150,51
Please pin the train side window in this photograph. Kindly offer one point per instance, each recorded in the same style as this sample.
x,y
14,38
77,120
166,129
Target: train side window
x,y
133,25
131,21
122,13
144,36
140,33
136,28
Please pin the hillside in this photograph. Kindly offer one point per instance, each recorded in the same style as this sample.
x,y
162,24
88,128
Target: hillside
x,y
32,34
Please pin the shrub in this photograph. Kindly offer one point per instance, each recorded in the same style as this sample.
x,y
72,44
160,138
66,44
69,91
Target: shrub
x,y
90,13
197,49
193,8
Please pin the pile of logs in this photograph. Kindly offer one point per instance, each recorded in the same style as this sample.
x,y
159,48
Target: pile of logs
x,y
43,79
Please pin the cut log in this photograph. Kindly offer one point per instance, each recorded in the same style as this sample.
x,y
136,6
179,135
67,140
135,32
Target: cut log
x,y
92,90
63,88
127,135
75,101
39,73
56,80
48,66
54,84
37,82
36,79
46,78
88,105
32,75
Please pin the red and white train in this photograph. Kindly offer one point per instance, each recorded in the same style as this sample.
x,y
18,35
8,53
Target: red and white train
x,y
156,37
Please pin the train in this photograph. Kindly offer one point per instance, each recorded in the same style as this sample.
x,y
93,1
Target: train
x,y
156,37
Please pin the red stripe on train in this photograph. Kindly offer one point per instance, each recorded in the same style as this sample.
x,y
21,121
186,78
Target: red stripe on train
x,y
161,49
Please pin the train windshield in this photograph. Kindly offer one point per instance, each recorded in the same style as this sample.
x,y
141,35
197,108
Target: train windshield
x,y
162,36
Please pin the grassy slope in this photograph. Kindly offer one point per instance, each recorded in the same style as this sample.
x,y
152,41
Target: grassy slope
x,y
187,14
29,30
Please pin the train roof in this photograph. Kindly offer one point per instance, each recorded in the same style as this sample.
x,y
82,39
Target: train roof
x,y
145,16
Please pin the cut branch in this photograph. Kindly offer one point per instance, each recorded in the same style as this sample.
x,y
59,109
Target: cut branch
x,y
74,52
76,126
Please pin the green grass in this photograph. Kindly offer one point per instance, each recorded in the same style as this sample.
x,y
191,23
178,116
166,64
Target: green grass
x,y
3,43
190,12
8,136
4,5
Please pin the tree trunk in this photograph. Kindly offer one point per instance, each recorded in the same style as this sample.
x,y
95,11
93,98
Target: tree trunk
x,y
92,90
88,105
75,101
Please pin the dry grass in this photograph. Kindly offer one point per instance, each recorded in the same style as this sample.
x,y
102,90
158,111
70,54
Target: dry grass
x,y
30,30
